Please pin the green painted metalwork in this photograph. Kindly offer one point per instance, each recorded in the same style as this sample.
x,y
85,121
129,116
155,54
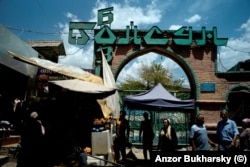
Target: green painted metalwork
x,y
107,51
137,41
98,65
219,41
180,37
81,26
179,120
202,41
150,40
181,33
105,13
190,74
105,36
126,39
170,54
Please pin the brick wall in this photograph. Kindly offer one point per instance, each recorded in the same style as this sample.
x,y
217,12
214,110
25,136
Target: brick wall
x,y
202,61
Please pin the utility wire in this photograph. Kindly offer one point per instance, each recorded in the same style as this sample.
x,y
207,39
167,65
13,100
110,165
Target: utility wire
x,y
88,32
44,13
237,50
41,32
78,49
34,31
221,63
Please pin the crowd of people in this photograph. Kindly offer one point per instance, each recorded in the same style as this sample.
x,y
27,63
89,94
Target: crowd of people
x,y
53,130
227,135
36,131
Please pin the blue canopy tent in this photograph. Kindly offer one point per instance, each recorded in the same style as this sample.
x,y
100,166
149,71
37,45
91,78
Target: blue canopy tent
x,y
158,99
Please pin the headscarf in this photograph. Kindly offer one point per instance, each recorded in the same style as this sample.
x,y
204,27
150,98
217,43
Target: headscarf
x,y
168,131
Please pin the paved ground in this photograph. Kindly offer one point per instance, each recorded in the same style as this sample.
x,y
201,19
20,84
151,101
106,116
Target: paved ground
x,y
9,164
137,152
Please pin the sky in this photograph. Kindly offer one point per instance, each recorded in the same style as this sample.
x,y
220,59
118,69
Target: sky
x,y
49,20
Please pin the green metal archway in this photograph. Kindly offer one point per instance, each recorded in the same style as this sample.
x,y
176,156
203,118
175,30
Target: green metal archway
x,y
167,53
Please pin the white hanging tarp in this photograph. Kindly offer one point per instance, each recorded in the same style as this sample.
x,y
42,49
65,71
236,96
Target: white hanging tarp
x,y
69,71
109,81
76,85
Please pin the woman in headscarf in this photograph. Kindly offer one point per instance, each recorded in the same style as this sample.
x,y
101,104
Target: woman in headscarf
x,y
168,141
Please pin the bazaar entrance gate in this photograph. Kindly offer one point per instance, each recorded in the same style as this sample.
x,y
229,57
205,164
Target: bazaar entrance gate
x,y
194,50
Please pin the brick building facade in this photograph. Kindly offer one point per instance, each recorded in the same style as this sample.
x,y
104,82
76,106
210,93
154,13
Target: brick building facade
x,y
211,89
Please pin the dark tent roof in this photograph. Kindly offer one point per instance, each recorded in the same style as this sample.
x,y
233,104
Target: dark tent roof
x,y
158,98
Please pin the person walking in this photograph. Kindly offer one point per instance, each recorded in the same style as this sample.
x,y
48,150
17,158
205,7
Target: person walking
x,y
198,135
33,143
227,132
168,141
146,130
18,112
121,137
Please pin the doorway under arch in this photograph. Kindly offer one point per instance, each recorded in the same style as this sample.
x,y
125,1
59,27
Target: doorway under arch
x,y
238,102
181,120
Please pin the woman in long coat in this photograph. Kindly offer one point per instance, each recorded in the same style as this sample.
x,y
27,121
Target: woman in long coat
x,y
168,141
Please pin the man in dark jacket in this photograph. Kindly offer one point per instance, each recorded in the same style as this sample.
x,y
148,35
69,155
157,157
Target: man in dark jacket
x,y
148,135
121,137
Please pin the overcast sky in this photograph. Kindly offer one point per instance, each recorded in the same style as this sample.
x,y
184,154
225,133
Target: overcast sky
x,y
49,19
